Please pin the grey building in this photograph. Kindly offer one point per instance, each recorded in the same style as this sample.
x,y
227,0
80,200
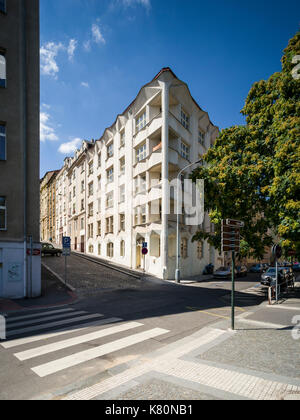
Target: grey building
x,y
20,271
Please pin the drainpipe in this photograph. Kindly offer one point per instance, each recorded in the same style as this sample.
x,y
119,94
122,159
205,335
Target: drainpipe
x,y
24,103
165,176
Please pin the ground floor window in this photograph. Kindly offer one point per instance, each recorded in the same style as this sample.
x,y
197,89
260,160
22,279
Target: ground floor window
x,y
2,213
122,248
200,249
91,249
99,249
110,250
184,248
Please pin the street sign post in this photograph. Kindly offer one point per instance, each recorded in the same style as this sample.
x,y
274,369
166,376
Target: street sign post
x,y
231,243
66,241
144,253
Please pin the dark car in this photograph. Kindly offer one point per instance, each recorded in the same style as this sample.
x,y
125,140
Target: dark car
x,y
296,267
258,268
285,277
241,271
49,249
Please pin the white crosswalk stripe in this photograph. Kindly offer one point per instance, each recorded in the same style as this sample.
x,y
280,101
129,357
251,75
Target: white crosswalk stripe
x,y
87,355
21,318
84,330
50,348
38,321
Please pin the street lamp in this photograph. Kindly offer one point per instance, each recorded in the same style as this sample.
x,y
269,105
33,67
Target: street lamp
x,y
177,272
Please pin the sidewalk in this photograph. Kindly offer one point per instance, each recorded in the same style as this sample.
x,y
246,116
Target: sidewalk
x,y
258,361
54,294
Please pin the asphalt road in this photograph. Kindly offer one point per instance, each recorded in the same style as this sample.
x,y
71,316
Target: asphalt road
x,y
145,315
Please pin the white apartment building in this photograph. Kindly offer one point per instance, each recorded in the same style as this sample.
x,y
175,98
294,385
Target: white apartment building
x,y
111,186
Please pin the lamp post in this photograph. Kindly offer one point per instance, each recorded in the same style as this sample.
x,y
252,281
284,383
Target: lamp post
x,y
177,272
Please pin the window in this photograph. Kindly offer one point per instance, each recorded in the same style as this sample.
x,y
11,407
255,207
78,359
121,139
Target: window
x,y
91,189
91,210
74,191
90,231
91,249
185,120
184,248
201,137
2,213
141,122
110,199
74,208
99,160
99,205
82,205
2,69
110,250
110,224
122,138
143,183
143,215
2,142
122,248
122,194
122,166
110,150
122,222
185,151
99,249
3,6
82,223
91,168
99,182
82,186
141,153
99,228
110,175
200,250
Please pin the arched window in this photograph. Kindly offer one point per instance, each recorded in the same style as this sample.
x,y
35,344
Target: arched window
x,y
122,248
110,250
184,248
2,70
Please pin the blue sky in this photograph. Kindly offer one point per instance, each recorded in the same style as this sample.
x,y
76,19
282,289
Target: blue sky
x,y
96,55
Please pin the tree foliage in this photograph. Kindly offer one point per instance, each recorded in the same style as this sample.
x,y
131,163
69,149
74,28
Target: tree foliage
x,y
252,172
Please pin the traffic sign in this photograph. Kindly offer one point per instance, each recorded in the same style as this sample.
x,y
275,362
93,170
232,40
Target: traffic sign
x,y
144,251
277,251
66,252
234,223
66,242
145,245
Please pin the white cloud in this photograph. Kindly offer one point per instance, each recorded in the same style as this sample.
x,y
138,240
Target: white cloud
x,y
71,48
87,45
49,53
47,132
69,147
145,3
85,84
97,35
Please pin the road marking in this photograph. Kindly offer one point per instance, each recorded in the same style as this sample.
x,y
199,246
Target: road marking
x,y
75,329
50,348
52,324
87,355
18,318
206,312
263,324
38,320
290,308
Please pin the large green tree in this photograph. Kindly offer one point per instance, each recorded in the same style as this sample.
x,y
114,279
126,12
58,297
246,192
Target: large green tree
x,y
252,172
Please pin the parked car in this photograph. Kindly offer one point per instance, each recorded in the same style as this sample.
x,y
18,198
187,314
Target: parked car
x,y
258,268
241,270
49,249
296,267
223,273
285,277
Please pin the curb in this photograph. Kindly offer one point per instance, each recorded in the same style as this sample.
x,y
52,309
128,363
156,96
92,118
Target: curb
x,y
68,286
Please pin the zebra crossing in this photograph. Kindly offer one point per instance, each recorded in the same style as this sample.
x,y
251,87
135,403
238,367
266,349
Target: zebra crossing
x,y
47,333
